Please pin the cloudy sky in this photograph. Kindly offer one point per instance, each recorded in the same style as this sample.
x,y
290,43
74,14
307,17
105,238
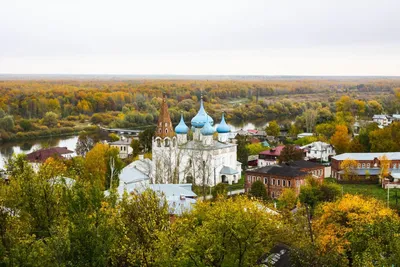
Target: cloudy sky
x,y
253,37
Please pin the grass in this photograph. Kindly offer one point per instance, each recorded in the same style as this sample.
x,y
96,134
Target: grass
x,y
371,190
239,185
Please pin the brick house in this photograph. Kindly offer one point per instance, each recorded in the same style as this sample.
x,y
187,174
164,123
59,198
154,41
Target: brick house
x,y
277,177
367,163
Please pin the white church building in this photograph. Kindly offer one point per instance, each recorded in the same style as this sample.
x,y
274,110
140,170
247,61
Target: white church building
x,y
200,155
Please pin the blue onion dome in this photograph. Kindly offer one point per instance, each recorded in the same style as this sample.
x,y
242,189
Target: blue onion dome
x,y
223,127
181,128
202,117
207,129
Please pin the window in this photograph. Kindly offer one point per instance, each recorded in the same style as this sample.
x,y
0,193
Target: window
x,y
288,183
166,142
259,178
284,183
359,165
166,130
174,142
368,165
158,142
363,165
279,182
166,124
273,181
394,166
265,180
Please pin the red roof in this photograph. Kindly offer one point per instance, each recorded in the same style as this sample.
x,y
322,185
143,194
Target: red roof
x,y
43,154
273,151
253,131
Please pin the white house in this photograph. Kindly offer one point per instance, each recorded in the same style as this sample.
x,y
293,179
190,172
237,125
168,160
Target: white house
x,y
124,147
319,150
201,160
382,120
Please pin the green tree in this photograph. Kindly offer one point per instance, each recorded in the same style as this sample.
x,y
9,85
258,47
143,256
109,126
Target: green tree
x,y
146,139
230,232
290,153
258,190
242,151
135,144
288,198
50,119
273,129
220,189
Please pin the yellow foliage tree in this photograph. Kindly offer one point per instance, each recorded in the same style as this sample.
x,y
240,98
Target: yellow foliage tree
x,y
384,167
341,139
348,166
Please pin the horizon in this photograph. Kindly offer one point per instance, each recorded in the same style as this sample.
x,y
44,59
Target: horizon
x,y
254,38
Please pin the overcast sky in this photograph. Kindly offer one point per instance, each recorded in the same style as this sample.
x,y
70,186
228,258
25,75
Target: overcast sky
x,y
259,37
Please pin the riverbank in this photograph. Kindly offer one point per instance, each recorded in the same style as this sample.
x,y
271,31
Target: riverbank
x,y
48,133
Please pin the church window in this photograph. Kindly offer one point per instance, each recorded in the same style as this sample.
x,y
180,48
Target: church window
x,y
166,124
158,142
166,130
166,142
173,142
159,130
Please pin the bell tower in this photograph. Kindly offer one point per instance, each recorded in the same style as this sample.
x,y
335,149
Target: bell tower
x,y
164,147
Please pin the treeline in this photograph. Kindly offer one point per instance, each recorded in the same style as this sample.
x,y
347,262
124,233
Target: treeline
x,y
40,106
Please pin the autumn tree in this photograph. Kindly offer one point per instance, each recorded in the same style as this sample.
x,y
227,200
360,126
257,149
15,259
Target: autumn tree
x,y
349,167
384,164
310,117
273,129
84,144
231,232
287,199
342,228
340,139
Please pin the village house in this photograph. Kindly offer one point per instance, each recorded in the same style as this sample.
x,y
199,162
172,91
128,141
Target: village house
x,y
277,177
124,147
270,156
382,120
319,151
368,164
36,158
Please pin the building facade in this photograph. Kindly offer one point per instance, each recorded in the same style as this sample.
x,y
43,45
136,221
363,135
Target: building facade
x,y
278,177
177,158
368,164
123,146
319,151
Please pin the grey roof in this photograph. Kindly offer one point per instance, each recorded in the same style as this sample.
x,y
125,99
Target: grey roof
x,y
317,145
121,142
198,145
228,171
280,170
171,190
396,116
367,156
131,174
381,116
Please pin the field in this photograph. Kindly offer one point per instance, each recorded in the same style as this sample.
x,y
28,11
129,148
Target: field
x,y
373,190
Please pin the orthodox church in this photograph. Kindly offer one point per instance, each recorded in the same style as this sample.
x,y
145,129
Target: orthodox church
x,y
199,155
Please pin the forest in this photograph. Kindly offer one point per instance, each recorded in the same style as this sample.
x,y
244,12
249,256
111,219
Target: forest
x,y
40,108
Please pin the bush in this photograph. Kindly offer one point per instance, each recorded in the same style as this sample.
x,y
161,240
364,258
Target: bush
x,y
220,189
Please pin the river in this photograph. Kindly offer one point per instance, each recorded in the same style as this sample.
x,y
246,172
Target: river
x,y
8,149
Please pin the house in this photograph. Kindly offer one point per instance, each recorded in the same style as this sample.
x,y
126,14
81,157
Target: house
x,y
382,120
277,177
36,158
368,164
124,147
301,135
136,174
319,151
270,156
